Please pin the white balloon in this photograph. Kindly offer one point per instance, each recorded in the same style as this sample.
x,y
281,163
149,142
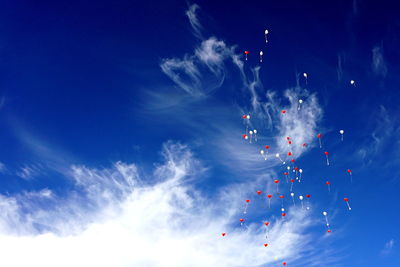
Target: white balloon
x,y
305,75
261,53
248,117
255,131
277,155
266,31
282,209
301,170
251,132
352,81
288,167
262,152
325,213
301,197
300,101
292,194
341,131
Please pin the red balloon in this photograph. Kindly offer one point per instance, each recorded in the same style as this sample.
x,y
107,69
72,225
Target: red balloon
x,y
276,181
329,231
266,223
328,183
319,135
305,144
259,192
284,263
265,245
285,173
246,52
283,214
281,196
326,153
292,180
223,234
283,111
241,220
308,196
296,168
290,142
288,138
269,196
247,200
292,160
266,147
289,153
244,116
244,136
346,199
349,171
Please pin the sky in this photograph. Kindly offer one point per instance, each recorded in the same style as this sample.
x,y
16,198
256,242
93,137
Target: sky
x,y
121,133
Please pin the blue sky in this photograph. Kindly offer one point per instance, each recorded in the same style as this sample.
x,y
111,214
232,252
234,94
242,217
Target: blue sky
x,y
121,133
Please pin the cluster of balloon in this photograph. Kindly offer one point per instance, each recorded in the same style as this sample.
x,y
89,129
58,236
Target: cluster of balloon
x,y
297,172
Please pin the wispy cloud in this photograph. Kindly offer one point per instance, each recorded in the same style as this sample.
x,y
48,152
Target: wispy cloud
x,y
166,222
379,66
387,249
194,21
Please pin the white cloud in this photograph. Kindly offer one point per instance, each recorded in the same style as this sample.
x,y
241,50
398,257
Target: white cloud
x,y
194,21
122,221
378,62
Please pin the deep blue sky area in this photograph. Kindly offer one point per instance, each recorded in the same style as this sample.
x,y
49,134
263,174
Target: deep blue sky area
x,y
78,81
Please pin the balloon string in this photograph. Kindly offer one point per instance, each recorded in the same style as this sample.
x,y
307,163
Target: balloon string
x,y
293,201
342,137
291,187
302,205
245,209
320,143
348,205
269,203
327,160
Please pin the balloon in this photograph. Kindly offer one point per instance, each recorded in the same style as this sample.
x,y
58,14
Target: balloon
x,y
341,131
266,223
292,180
281,196
276,181
319,139
346,199
326,153
305,144
352,82
248,117
349,171
265,245
351,175
308,196
329,230
301,197
288,138
245,136
269,196
244,116
241,220
282,209
266,32
266,147
283,214
347,202
289,142
283,111
261,55
292,160
327,159
292,194
324,213
289,153
259,192
248,200
223,234
300,101
305,75
246,53
262,152
284,263
319,135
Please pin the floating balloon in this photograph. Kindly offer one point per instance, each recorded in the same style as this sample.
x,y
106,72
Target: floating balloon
x,y
301,201
347,202
279,157
241,221
265,245
266,33
341,133
267,148
289,154
255,135
263,154
304,145
283,214
327,159
319,136
259,192
283,111
292,195
269,200
261,55
300,171
352,82
284,263
291,186
251,135
246,54
286,175
277,185
351,175
223,234
245,206
266,223
245,137
308,201
327,222
329,185
300,102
